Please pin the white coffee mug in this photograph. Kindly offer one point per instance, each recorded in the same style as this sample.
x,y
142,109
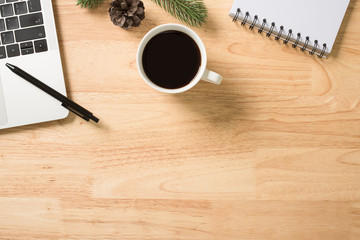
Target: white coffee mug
x,y
203,73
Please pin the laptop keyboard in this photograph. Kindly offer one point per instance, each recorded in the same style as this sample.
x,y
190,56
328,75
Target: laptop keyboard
x,y
22,29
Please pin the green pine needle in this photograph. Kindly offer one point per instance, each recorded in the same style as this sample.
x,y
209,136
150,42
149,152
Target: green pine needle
x,y
89,3
191,12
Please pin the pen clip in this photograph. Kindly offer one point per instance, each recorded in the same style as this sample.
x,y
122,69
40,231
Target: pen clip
x,y
73,111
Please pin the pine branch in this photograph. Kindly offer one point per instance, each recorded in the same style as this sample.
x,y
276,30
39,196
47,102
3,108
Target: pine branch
x,y
191,12
89,3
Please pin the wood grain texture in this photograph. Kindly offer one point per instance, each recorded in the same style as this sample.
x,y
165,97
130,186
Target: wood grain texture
x,y
272,153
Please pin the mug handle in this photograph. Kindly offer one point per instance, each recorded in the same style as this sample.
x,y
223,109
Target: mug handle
x,y
212,77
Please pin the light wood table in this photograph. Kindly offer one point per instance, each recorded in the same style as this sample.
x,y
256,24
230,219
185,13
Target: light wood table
x,y
272,153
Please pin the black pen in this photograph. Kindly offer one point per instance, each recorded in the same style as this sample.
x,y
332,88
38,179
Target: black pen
x,y
65,102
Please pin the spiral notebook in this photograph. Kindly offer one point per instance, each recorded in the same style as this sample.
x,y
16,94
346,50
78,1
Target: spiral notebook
x,y
311,25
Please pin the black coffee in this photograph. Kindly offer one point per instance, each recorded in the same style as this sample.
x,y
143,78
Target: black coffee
x,y
171,59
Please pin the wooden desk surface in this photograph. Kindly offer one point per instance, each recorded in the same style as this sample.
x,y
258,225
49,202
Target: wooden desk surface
x,y
272,153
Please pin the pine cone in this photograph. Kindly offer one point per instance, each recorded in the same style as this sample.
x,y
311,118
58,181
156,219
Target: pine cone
x,y
127,13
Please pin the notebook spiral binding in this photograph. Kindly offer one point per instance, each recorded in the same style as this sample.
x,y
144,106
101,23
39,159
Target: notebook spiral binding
x,y
296,43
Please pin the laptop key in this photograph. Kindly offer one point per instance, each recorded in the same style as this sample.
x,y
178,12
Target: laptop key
x,y
7,37
6,10
13,50
26,51
26,48
26,45
2,52
30,33
2,1
41,46
20,8
34,5
31,19
12,23
11,1
2,25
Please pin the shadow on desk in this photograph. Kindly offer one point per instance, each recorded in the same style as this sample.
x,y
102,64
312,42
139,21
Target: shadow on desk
x,y
38,126
218,104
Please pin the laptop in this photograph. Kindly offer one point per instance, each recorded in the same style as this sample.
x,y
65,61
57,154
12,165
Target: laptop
x,y
28,40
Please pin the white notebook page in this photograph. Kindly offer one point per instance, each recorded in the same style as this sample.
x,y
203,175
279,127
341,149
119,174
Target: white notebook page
x,y
318,19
